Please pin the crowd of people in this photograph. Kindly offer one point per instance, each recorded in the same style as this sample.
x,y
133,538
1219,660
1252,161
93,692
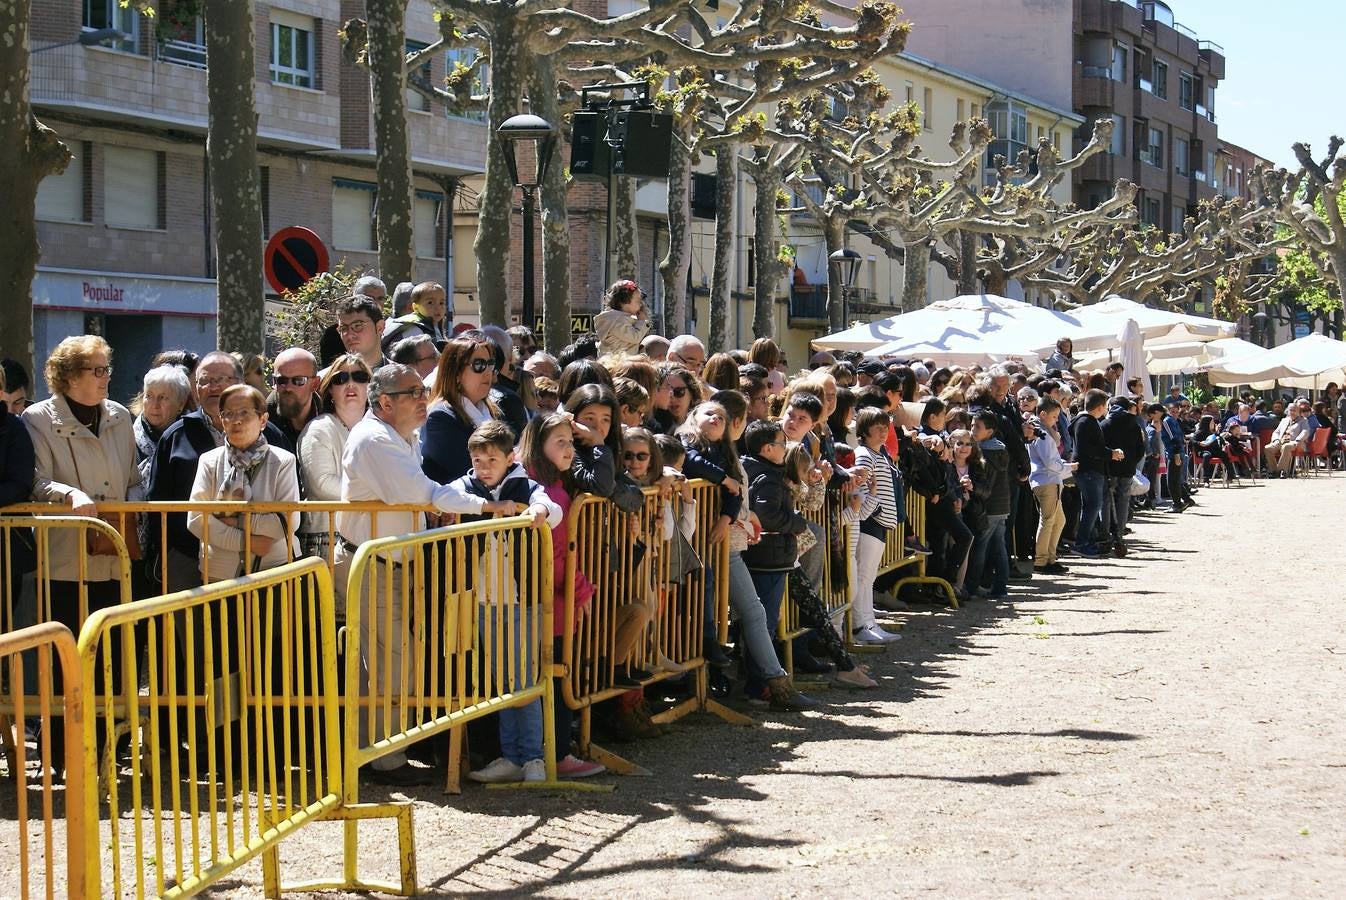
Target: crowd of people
x,y
1016,470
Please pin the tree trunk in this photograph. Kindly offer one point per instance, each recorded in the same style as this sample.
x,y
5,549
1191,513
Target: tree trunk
x,y
997,282
834,234
767,268
675,265
393,217
625,236
492,246
29,151
555,227
235,196
915,275
967,263
721,285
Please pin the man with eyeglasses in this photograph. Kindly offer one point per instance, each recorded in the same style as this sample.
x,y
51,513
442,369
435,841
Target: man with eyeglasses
x,y
687,351
294,400
382,462
175,460
360,326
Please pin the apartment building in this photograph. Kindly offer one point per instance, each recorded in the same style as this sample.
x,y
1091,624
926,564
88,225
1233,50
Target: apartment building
x,y
125,232
1130,60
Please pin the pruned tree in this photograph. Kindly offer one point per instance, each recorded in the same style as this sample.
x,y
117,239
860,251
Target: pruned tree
x,y
29,152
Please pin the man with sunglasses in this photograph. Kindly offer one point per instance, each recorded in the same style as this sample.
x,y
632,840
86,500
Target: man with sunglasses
x,y
294,400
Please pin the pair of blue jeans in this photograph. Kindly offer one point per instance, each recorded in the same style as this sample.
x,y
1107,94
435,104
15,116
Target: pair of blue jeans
x,y
989,549
520,726
770,588
1091,507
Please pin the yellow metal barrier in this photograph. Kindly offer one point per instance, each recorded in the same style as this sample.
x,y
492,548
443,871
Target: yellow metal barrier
x,y
897,556
30,545
232,724
40,842
637,615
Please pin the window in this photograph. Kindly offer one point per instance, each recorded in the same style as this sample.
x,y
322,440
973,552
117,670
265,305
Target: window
x,y
975,111
1118,147
1181,157
1144,71
1210,168
1179,219
1154,149
1009,124
60,198
1210,102
465,57
1160,80
959,115
911,92
416,101
183,42
111,14
1151,211
1056,140
132,188
1185,95
291,52
1119,54
353,215
426,212
927,104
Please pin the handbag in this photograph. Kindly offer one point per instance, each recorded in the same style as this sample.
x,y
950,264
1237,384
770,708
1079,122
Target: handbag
x,y
682,558
1140,485
96,543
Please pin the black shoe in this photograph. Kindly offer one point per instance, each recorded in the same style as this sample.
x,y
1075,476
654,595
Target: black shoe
x,y
717,685
1016,575
811,665
625,677
716,656
405,775
1055,569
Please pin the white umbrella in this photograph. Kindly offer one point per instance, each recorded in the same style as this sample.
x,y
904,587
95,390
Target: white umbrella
x,y
1005,326
1111,314
1132,358
960,348
1309,362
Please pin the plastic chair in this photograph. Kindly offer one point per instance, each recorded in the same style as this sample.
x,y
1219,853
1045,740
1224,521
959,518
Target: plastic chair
x,y
1317,449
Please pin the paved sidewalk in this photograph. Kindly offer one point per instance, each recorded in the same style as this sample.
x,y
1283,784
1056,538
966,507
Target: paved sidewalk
x,y
1170,723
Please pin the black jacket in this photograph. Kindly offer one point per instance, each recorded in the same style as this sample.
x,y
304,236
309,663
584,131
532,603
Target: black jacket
x,y
1012,436
1121,430
444,454
993,480
595,472
1091,448
505,396
709,463
770,497
174,471
17,464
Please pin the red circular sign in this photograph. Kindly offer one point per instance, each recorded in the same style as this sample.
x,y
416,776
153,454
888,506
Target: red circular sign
x,y
292,257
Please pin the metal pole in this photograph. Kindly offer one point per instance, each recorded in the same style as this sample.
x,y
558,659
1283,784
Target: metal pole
x,y
528,314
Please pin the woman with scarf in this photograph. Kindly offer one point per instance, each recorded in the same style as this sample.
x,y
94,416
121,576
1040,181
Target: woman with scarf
x,y
245,470
164,398
459,401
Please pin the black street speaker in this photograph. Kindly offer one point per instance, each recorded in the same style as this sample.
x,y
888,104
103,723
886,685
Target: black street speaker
x,y
644,140
590,155
703,195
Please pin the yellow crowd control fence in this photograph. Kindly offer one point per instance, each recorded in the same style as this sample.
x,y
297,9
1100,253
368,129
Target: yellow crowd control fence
x,y
834,588
896,554
220,717
652,608
36,548
41,861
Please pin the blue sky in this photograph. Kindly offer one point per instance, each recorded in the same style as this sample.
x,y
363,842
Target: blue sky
x,y
1282,61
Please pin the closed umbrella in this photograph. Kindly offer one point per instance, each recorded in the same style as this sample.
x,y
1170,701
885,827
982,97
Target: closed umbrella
x,y
1132,358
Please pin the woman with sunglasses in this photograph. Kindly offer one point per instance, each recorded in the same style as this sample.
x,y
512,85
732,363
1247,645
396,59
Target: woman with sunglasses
x,y
344,390
459,401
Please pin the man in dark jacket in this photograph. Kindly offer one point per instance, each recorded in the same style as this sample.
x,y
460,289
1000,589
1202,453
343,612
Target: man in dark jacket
x,y
1014,433
1093,455
1123,431
992,483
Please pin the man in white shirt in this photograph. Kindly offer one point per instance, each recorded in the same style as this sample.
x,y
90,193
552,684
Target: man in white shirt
x,y
1290,434
382,462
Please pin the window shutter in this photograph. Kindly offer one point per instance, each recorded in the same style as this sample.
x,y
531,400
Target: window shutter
x,y
130,188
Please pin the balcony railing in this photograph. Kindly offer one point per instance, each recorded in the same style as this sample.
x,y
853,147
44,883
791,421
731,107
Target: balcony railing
x,y
1145,85
1210,47
808,302
183,53
1199,176
1183,29
1098,72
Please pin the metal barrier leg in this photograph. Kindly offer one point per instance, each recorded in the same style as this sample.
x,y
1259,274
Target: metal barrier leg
x,y
457,761
351,815
618,764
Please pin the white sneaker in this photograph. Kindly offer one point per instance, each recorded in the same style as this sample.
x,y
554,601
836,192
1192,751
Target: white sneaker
x,y
883,635
535,770
501,771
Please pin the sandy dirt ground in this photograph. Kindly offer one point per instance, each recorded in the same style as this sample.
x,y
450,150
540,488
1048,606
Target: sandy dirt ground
x,y
1169,723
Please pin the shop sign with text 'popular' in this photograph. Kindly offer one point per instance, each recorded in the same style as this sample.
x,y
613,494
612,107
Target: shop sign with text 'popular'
x,y
118,293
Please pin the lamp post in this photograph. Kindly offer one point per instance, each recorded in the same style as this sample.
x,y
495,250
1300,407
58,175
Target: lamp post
x,y
526,171
846,263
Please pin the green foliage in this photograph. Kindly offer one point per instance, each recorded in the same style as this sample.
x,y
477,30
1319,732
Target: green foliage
x,y
311,309
1300,274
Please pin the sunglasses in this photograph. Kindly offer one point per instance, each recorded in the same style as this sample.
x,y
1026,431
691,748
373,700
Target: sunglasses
x,y
631,456
680,392
483,365
296,380
415,393
359,376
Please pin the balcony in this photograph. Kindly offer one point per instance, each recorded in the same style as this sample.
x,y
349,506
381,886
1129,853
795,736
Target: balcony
x,y
1212,54
808,304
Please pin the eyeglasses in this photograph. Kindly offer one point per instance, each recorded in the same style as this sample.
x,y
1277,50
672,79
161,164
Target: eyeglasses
x,y
962,444
215,381
631,455
416,393
296,380
483,365
238,415
680,392
359,376
356,327
98,371
780,443
431,358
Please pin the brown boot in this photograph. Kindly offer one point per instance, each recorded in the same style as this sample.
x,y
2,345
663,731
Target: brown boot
x,y
786,698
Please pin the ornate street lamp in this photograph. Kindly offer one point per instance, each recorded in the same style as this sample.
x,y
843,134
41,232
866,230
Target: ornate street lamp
x,y
528,142
846,262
